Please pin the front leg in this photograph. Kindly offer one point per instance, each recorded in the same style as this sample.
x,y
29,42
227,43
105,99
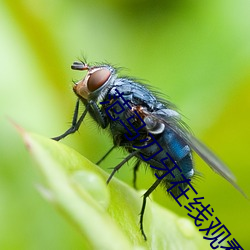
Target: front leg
x,y
75,124
99,116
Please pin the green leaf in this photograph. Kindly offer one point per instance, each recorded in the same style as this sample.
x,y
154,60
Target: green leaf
x,y
106,215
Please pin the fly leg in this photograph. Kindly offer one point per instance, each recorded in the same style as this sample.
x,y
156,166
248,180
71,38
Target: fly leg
x,y
98,115
145,196
75,124
136,167
121,164
105,155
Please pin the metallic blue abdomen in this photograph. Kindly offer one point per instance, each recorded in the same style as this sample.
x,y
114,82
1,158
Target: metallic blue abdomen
x,y
166,153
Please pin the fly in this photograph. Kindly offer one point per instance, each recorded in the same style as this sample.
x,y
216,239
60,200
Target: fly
x,y
158,136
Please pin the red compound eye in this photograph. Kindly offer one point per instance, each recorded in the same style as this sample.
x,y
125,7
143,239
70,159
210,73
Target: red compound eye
x,y
97,79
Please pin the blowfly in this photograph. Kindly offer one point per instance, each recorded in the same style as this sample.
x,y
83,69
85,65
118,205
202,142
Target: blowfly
x,y
148,127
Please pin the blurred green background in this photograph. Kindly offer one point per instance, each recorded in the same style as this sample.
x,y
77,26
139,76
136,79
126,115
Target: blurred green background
x,y
195,52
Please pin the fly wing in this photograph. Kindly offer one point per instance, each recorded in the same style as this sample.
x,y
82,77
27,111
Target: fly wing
x,y
175,124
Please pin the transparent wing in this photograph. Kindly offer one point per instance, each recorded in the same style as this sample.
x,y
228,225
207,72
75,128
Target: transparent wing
x,y
176,125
